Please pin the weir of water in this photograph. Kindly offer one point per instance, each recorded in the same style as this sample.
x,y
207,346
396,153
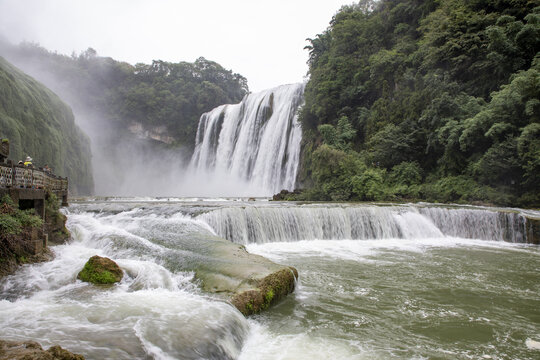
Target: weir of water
x,y
256,141
252,224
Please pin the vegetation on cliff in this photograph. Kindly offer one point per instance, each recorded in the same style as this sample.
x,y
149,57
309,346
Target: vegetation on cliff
x,y
37,123
161,94
16,227
55,221
434,100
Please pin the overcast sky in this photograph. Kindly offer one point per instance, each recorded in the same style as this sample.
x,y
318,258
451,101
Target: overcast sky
x,y
262,40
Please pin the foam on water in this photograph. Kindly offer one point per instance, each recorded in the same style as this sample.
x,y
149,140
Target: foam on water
x,y
365,250
152,312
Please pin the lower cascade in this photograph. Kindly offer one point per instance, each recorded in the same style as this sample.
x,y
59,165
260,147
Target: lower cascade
x,y
256,142
246,225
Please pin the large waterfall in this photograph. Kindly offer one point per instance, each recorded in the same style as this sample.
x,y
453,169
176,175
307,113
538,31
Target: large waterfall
x,y
255,143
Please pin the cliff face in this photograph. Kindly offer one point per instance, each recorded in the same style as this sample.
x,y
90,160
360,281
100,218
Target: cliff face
x,y
38,124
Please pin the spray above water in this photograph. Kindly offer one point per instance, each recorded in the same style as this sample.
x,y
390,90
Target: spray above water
x,y
252,147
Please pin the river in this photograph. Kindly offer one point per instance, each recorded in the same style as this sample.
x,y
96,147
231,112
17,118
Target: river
x,y
375,282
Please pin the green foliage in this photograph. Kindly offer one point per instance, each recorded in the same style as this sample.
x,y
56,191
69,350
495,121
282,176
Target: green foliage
x,y
14,221
10,225
340,137
369,185
406,173
443,96
528,146
333,170
15,228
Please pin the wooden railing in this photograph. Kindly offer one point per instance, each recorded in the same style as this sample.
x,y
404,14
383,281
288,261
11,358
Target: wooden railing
x,y
17,176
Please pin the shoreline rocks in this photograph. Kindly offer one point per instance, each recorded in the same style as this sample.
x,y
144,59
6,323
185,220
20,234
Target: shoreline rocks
x,y
24,350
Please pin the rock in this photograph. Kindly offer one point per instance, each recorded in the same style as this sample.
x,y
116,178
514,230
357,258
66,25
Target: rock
x,y
267,292
31,350
100,270
533,231
55,227
250,282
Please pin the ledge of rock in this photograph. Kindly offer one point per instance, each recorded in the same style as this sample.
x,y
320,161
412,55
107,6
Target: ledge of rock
x,y
14,350
250,282
101,270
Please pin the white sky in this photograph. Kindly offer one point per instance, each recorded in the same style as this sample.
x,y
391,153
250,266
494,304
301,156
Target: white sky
x,y
262,40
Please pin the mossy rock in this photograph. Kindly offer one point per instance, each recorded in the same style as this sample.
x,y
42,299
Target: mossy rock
x,y
267,292
101,270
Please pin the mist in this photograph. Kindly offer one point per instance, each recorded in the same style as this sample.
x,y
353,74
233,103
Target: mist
x,y
130,159
124,164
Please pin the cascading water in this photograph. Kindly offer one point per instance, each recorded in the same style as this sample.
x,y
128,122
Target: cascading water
x,y
248,224
255,143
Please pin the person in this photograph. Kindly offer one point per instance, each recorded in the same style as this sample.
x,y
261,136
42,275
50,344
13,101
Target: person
x,y
20,163
28,162
47,169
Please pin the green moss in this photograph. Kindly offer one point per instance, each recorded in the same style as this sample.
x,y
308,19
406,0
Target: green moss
x,y
269,296
249,307
100,270
90,274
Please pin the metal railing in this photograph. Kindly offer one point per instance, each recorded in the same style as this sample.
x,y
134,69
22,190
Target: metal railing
x,y
17,176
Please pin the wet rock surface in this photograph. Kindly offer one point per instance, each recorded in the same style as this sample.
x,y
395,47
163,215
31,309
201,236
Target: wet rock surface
x,y
31,350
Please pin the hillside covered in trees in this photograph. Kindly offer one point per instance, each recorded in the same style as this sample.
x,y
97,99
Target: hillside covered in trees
x,y
37,123
163,94
432,100
141,119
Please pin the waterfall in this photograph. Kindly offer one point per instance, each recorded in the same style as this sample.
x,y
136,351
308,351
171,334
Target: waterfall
x,y
256,142
263,224
479,223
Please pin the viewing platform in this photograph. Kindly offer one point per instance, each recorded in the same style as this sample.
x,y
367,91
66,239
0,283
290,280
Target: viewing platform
x,y
29,188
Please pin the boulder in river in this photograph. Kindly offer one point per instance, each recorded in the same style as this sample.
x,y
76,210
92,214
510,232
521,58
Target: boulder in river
x,y
101,270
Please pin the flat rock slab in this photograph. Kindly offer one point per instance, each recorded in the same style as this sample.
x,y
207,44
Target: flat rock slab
x,y
250,282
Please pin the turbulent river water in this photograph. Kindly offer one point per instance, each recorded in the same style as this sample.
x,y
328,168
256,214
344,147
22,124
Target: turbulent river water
x,y
375,282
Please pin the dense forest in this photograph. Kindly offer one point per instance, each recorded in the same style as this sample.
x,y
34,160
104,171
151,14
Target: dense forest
x,y
37,123
170,96
432,100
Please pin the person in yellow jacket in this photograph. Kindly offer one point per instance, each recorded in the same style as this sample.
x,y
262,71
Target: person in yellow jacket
x,y
28,162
